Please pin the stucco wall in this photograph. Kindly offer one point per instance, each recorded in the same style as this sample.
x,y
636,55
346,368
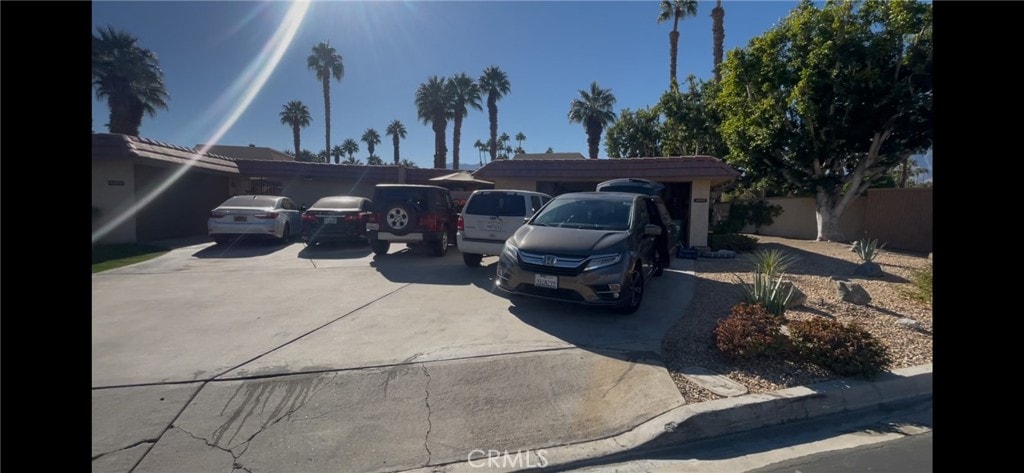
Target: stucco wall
x,y
799,220
113,200
180,210
516,183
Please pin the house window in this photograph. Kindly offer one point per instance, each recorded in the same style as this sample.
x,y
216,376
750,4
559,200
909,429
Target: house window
x,y
261,186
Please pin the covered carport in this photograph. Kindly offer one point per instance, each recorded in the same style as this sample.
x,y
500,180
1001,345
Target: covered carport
x,y
688,181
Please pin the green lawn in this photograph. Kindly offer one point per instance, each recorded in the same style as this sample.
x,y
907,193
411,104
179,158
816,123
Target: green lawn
x,y
106,257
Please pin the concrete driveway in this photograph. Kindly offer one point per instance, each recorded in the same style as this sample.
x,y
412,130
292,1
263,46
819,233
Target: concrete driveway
x,y
287,358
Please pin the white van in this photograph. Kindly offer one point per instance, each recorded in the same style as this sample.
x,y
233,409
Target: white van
x,y
490,217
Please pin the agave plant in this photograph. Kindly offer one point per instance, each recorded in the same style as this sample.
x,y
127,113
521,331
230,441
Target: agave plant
x,y
867,249
771,262
767,291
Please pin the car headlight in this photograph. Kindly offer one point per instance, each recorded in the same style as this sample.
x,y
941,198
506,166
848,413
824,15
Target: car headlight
x,y
602,261
511,251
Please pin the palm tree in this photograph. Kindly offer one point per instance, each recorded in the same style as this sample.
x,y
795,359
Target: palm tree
x,y
495,83
296,115
594,110
465,93
675,10
718,30
327,63
350,147
129,77
503,144
396,130
338,152
480,146
433,105
374,160
371,138
520,137
352,160
408,164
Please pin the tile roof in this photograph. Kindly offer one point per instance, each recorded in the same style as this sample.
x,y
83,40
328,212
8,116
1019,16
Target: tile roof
x,y
246,152
114,146
549,156
666,169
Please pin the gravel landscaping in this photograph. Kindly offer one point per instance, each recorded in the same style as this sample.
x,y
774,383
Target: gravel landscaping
x,y
690,342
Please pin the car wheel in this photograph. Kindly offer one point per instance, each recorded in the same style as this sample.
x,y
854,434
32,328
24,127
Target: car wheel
x,y
286,235
399,218
441,245
659,264
472,259
380,247
634,293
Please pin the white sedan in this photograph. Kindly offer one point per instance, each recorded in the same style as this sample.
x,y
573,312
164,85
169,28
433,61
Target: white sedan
x,y
255,215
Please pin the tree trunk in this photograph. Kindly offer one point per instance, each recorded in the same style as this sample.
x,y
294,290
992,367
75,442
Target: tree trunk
x,y
456,139
718,31
673,40
395,142
904,172
492,113
440,148
295,138
827,215
327,119
593,140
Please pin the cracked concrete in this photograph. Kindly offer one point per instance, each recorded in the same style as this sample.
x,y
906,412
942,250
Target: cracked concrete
x,y
122,418
426,401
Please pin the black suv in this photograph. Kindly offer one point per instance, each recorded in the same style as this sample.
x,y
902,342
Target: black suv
x,y
412,214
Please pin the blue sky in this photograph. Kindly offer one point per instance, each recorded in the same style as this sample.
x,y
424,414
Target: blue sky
x,y
549,50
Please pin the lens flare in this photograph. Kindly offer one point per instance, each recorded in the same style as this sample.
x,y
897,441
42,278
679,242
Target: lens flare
x,y
247,86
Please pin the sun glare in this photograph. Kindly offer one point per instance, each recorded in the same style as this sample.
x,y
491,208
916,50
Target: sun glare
x,y
246,87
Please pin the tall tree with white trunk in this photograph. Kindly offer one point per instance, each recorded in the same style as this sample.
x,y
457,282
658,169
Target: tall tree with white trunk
x,y
831,99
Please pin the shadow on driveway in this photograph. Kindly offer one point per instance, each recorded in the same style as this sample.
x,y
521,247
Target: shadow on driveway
x,y
417,266
242,248
335,250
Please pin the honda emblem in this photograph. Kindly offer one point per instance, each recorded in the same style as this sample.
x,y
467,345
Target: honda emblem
x,y
549,260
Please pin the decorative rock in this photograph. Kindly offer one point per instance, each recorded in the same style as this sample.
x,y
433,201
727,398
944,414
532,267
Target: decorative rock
x,y
868,270
799,298
713,382
852,292
909,323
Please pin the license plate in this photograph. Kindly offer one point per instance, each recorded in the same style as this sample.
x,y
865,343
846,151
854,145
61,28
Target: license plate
x,y
372,226
492,226
240,218
331,220
545,280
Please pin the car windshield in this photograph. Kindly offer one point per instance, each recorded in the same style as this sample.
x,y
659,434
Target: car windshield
x,y
592,214
256,201
338,203
500,204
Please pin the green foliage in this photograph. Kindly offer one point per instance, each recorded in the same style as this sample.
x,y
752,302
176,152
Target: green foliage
x,y
731,241
757,213
921,284
867,249
374,160
768,291
750,332
692,120
129,77
112,256
634,135
772,262
832,98
846,349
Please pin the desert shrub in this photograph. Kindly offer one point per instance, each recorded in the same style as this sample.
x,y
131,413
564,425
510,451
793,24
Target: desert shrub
x,y
731,241
750,332
867,249
772,262
757,213
767,291
921,284
846,349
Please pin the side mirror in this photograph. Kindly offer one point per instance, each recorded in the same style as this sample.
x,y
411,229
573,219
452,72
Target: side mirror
x,y
303,208
652,230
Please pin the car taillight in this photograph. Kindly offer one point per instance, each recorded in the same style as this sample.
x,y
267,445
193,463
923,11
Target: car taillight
x,y
267,215
351,218
371,218
460,225
216,214
306,217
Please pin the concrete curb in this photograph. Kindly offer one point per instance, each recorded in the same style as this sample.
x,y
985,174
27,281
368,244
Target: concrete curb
x,y
693,422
